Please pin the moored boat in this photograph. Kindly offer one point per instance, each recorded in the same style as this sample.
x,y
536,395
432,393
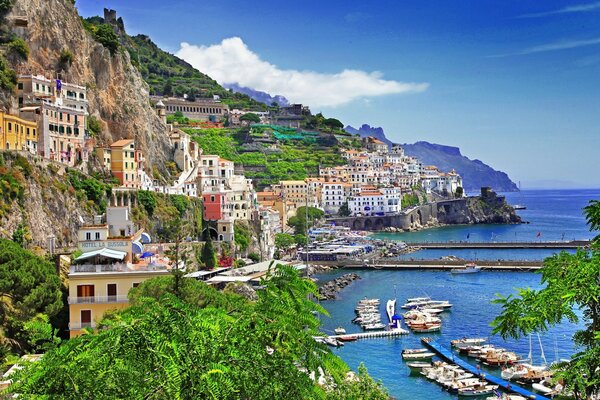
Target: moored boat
x,y
347,338
339,330
417,356
469,268
417,366
466,342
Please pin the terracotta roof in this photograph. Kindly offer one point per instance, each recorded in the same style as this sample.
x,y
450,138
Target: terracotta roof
x,y
122,143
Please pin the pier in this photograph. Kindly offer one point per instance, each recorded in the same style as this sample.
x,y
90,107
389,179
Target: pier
x,y
437,264
567,244
449,356
373,334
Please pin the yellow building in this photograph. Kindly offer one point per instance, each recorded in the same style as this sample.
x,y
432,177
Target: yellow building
x,y
100,282
112,262
17,133
124,162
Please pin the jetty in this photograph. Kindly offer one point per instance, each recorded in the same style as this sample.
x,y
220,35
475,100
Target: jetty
x,y
505,265
560,244
373,334
449,356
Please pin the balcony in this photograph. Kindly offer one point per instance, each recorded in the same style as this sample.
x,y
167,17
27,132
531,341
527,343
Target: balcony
x,y
75,326
97,299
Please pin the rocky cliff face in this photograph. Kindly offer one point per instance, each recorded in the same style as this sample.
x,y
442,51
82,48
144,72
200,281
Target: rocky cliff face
x,y
491,209
116,91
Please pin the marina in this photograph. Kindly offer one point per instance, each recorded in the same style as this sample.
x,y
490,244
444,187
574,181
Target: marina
x,y
449,356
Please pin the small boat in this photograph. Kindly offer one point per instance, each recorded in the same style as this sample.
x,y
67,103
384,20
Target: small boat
x,y
418,365
519,207
339,330
467,342
418,299
417,356
470,268
333,342
482,390
426,328
373,327
348,338
414,351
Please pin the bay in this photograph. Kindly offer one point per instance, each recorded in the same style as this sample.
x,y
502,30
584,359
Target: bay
x,y
556,214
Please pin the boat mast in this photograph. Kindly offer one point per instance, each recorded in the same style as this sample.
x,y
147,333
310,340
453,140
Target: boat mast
x,y
530,355
542,350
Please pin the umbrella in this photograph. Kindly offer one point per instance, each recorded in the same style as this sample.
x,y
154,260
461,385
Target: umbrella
x,y
146,254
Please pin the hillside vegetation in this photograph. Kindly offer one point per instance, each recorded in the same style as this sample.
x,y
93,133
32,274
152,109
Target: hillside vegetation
x,y
266,158
165,73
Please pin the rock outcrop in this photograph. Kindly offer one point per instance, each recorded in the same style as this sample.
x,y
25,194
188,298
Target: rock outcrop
x,y
488,208
117,93
330,289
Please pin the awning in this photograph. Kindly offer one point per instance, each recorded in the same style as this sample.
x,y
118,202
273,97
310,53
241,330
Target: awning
x,y
146,254
137,247
32,108
104,252
145,238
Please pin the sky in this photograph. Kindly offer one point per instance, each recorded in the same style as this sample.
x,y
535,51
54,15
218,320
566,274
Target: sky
x,y
515,84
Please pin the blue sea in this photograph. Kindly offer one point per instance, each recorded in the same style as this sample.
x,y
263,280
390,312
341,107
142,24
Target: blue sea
x,y
557,214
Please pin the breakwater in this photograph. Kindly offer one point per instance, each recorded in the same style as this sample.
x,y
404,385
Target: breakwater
x,y
330,289
499,265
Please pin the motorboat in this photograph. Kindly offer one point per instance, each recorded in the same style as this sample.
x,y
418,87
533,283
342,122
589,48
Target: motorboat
x,y
496,358
418,299
417,366
545,387
418,356
373,327
347,338
339,330
481,390
426,328
467,342
414,351
332,342
470,268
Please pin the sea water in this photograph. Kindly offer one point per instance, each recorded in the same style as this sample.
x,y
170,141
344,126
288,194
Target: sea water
x,y
553,213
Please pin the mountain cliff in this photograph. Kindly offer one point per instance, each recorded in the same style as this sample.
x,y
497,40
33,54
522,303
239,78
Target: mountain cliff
x,y
367,130
257,95
117,94
475,173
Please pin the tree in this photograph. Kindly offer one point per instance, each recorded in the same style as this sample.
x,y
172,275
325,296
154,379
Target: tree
x,y
106,36
571,286
29,286
459,192
148,200
333,124
207,255
300,240
284,241
196,346
250,117
168,88
299,221
344,210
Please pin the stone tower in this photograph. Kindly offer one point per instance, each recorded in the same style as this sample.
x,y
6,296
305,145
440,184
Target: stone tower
x,y
161,110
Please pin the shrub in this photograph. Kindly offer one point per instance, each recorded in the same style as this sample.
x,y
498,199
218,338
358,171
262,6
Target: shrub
x,y
66,58
106,36
94,126
254,257
148,200
19,47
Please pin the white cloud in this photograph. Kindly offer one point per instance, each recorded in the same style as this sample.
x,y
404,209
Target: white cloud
x,y
556,46
231,61
566,10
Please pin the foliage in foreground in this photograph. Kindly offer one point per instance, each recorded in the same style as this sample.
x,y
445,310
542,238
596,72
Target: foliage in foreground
x,y
193,342
572,286
29,296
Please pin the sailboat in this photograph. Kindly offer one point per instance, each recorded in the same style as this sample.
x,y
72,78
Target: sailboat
x,y
520,206
526,370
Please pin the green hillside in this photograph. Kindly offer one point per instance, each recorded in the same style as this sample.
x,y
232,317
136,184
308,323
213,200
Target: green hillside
x,y
267,155
165,73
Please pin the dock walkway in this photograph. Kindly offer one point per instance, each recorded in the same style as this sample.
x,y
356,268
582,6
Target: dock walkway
x,y
373,334
449,356
563,244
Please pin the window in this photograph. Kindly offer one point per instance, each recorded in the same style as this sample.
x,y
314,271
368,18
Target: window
x,y
212,198
97,235
86,318
85,293
135,284
20,86
224,229
88,236
111,291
